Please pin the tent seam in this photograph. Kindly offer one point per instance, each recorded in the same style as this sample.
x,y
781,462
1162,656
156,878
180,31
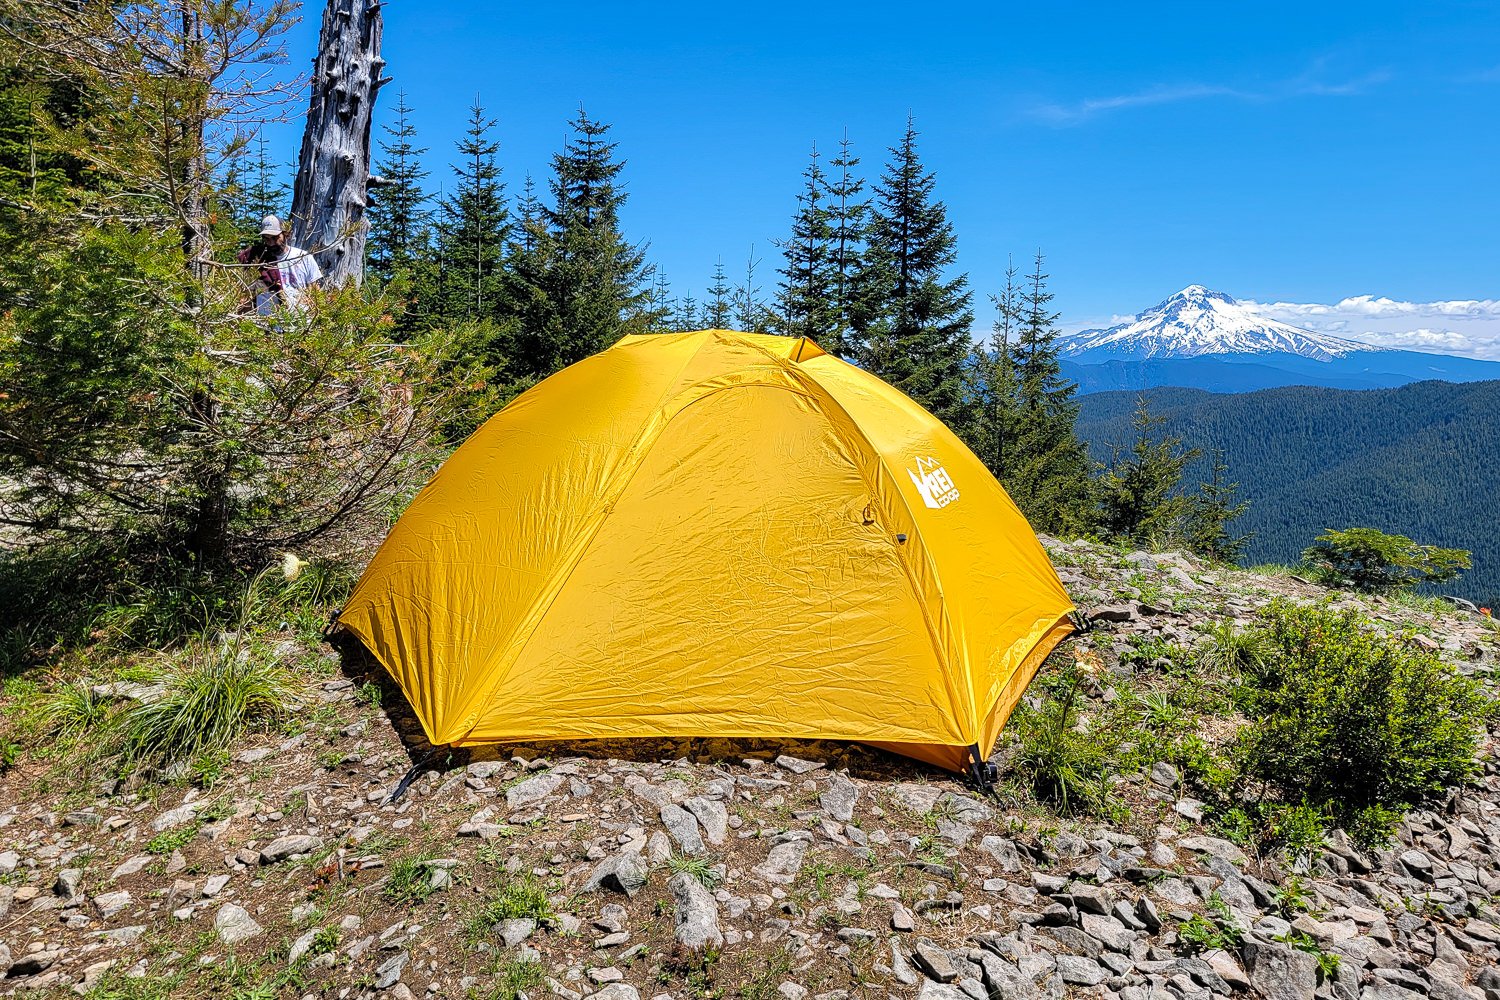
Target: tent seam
x,y
643,446
933,633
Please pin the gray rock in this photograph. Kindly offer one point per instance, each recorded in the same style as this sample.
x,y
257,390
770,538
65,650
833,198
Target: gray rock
x,y
624,872
234,924
1078,971
1418,863
1114,935
941,991
389,971
839,799
1217,846
66,888
514,930
1145,912
697,914
915,798
301,946
1007,856
900,967
1280,972
901,918
711,815
1164,773
683,828
933,961
616,991
533,790
783,862
34,962
796,765
112,904
175,817
612,918
963,808
285,847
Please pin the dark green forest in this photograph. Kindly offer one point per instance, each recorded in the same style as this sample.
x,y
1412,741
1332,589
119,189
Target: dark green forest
x,y
1421,460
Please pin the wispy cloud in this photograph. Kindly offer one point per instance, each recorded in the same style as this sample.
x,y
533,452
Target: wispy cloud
x,y
1464,327
1312,83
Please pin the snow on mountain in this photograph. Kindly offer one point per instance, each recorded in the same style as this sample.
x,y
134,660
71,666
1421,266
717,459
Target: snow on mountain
x,y
1198,321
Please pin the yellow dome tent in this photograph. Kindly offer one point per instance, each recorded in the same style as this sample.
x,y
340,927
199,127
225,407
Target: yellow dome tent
x,y
713,534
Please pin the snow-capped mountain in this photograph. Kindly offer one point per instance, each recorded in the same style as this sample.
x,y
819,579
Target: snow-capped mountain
x,y
1198,321
1204,339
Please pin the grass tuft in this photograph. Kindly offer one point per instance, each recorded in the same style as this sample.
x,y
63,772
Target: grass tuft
x,y
206,706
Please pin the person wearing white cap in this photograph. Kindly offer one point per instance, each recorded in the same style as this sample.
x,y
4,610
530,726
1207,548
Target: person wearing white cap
x,y
284,271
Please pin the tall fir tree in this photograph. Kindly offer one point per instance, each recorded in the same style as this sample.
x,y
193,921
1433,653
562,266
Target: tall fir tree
x,y
473,227
1047,468
806,292
587,285
398,213
996,384
911,319
848,211
718,308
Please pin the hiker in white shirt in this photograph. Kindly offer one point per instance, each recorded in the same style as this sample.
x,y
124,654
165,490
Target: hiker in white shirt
x,y
285,272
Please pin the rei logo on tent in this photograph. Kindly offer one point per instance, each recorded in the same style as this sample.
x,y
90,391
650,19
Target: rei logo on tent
x,y
934,483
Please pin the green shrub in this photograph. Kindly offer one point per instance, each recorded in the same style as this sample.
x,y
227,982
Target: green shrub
x,y
1063,758
206,706
1370,560
1353,720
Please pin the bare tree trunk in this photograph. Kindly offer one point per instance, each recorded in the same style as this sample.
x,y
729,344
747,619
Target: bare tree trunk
x,y
333,172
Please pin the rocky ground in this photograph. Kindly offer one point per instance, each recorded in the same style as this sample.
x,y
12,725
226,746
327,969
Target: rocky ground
x,y
716,869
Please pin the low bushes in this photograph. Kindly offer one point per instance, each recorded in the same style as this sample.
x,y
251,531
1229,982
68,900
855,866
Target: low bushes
x,y
1352,720
1307,719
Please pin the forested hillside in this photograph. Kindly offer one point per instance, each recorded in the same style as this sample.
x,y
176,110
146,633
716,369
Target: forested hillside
x,y
1422,460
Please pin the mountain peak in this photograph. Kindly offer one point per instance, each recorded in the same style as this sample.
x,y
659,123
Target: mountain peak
x,y
1199,320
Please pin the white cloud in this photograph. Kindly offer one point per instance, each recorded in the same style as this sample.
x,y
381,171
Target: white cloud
x,y
1311,83
1463,327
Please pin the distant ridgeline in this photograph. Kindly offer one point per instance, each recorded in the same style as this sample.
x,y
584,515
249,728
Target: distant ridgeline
x,y
1421,460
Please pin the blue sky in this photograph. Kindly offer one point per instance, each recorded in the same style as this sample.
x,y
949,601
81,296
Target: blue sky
x,y
1298,154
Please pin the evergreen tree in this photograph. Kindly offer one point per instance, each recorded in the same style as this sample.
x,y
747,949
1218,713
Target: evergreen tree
x,y
601,281
847,215
582,286
1140,491
719,309
398,214
474,227
809,307
686,314
912,320
1210,512
1047,468
750,312
996,384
